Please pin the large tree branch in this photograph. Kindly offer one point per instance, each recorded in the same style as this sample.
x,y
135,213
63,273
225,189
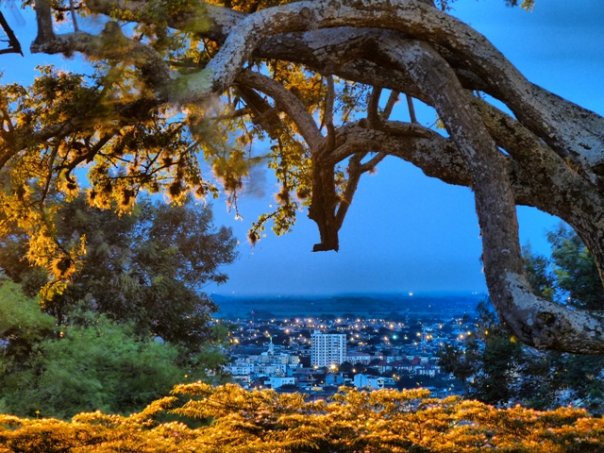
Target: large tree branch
x,y
329,48
436,155
44,22
562,193
536,321
287,102
573,132
547,181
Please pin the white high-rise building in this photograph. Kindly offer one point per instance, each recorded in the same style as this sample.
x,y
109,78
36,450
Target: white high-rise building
x,y
327,349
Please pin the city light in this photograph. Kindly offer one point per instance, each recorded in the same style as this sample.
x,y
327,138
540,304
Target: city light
x,y
385,360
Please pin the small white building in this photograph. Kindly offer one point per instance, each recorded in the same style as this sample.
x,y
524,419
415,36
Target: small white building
x,y
364,381
240,370
272,369
358,357
279,381
428,370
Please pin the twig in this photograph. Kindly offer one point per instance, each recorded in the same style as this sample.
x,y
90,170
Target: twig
x,y
411,109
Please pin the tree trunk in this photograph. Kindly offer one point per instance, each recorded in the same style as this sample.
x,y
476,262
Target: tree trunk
x,y
535,321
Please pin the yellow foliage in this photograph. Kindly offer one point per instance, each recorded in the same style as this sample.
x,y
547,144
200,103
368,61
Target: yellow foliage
x,y
199,417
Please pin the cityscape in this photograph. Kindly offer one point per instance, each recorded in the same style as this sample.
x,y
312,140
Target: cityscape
x,y
316,355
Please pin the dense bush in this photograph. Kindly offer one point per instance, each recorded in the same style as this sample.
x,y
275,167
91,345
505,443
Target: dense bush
x,y
59,370
199,417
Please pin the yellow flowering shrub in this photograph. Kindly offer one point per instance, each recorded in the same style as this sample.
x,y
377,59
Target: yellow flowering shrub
x,y
201,418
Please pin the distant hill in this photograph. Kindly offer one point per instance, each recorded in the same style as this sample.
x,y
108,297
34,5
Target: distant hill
x,y
442,305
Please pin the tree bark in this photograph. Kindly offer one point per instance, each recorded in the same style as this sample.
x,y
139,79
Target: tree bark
x,y
535,321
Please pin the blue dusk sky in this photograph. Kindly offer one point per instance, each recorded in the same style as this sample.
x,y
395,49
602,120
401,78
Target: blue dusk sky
x,y
404,231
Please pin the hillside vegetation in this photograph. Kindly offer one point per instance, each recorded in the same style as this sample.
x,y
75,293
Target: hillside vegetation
x,y
202,418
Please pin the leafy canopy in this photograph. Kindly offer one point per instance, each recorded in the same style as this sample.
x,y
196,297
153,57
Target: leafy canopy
x,y
22,323
198,417
101,366
146,267
58,370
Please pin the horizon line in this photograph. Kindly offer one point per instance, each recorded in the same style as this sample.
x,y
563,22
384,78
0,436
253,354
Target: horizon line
x,y
407,294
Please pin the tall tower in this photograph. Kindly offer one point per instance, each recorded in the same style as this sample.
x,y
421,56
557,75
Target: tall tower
x,y
327,349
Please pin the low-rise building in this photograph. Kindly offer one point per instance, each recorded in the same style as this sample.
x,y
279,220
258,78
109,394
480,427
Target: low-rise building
x,y
358,357
240,370
362,381
279,381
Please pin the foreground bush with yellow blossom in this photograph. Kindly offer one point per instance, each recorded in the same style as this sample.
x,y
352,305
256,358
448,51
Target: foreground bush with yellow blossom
x,y
202,418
